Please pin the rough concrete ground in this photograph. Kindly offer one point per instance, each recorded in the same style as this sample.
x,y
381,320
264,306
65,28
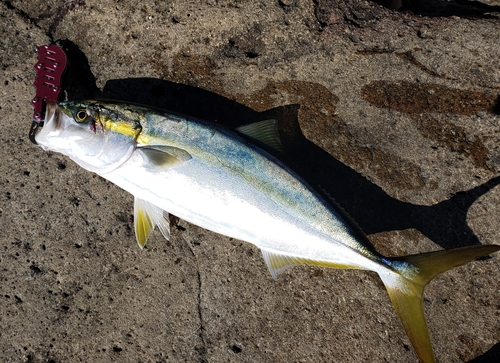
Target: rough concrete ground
x,y
399,112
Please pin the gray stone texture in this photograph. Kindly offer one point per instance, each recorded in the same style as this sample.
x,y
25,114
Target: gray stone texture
x,y
399,119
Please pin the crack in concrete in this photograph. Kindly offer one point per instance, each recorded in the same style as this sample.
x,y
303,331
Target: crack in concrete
x,y
21,13
203,349
57,15
201,330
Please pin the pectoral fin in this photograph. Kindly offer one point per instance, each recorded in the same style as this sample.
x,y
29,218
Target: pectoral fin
x,y
146,217
163,156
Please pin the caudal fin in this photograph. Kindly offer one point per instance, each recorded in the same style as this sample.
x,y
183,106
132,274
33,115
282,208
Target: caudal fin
x,y
407,287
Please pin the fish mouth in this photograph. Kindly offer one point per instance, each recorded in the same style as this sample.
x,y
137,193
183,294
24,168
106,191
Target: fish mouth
x,y
49,128
51,118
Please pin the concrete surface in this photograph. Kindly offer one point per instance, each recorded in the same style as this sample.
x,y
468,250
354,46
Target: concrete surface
x,y
399,112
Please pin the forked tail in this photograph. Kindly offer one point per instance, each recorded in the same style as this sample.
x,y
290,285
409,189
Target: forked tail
x,y
406,288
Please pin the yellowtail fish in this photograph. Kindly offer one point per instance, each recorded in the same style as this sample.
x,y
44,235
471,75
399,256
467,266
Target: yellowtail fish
x,y
222,180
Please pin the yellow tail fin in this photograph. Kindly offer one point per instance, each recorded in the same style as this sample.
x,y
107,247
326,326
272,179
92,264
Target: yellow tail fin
x,y
407,288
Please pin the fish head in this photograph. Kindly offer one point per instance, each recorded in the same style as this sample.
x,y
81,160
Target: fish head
x,y
97,136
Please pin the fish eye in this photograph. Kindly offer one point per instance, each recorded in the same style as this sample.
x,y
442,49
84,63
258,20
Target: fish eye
x,y
81,115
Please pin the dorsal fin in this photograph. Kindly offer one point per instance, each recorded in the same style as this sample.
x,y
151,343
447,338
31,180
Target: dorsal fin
x,y
265,131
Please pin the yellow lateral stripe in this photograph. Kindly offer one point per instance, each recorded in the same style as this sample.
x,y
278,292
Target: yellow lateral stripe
x,y
121,127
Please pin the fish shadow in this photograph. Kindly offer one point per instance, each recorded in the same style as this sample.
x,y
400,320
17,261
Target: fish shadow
x,y
491,356
438,8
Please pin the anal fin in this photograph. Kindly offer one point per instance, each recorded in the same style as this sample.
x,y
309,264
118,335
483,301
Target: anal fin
x,y
278,262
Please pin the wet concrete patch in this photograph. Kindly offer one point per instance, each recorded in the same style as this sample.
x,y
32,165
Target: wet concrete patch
x,y
425,102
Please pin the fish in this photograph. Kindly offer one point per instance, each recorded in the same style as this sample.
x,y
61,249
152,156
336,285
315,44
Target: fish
x,y
233,182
